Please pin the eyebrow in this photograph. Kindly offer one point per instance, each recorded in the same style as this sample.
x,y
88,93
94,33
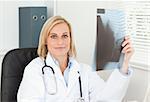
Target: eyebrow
x,y
53,34
56,33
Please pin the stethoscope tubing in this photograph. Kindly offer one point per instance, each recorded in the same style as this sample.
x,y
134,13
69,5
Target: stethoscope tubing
x,y
45,65
80,83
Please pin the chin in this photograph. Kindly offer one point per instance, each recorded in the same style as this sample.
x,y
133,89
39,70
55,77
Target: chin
x,y
60,53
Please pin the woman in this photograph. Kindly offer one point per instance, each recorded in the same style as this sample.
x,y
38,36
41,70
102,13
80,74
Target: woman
x,y
55,76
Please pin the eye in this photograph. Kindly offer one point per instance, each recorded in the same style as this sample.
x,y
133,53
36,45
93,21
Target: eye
x,y
53,36
65,36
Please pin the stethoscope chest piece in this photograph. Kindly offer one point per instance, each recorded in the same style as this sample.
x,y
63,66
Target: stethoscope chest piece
x,y
80,99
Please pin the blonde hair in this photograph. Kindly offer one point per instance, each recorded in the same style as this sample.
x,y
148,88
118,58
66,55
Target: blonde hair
x,y
49,24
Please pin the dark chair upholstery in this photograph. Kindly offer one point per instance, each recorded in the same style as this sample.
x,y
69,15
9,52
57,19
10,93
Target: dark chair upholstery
x,y
13,66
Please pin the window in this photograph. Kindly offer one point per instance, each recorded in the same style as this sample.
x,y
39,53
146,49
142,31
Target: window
x,y
138,25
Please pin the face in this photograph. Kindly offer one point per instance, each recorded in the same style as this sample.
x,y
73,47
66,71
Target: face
x,y
58,41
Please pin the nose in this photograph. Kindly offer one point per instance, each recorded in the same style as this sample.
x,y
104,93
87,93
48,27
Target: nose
x,y
60,41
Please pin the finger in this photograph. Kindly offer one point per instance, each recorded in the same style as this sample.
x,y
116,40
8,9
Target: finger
x,y
128,50
126,47
127,41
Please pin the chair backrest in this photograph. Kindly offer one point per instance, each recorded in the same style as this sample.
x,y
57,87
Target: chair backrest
x,y
13,66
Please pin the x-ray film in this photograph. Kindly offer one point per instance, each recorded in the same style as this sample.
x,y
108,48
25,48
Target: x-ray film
x,y
110,35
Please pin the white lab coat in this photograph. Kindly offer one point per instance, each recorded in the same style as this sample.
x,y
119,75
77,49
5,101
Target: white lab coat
x,y
94,89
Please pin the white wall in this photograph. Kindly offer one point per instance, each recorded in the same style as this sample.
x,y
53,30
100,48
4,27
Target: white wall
x,y
9,22
82,16
9,28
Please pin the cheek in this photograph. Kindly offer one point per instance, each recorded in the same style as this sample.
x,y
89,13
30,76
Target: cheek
x,y
49,41
49,44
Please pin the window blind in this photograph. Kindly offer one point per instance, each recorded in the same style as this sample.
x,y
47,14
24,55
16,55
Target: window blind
x,y
138,26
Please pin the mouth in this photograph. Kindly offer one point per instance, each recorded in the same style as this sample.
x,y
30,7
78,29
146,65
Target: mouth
x,y
59,47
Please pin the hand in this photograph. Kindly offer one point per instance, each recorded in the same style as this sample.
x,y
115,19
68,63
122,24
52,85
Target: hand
x,y
128,51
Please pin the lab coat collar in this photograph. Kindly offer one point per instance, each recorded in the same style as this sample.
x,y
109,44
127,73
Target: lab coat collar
x,y
50,61
73,74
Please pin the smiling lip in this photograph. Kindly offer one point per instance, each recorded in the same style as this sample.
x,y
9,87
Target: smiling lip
x,y
59,47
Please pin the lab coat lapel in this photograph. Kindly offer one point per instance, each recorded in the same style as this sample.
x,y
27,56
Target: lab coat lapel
x,y
58,73
50,61
73,76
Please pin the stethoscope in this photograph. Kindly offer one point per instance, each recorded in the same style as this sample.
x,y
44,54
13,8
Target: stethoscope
x,y
51,84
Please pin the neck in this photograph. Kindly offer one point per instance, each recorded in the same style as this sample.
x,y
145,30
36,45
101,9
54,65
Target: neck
x,y
63,62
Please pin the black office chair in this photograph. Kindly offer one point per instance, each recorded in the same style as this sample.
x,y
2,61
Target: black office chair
x,y
13,66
